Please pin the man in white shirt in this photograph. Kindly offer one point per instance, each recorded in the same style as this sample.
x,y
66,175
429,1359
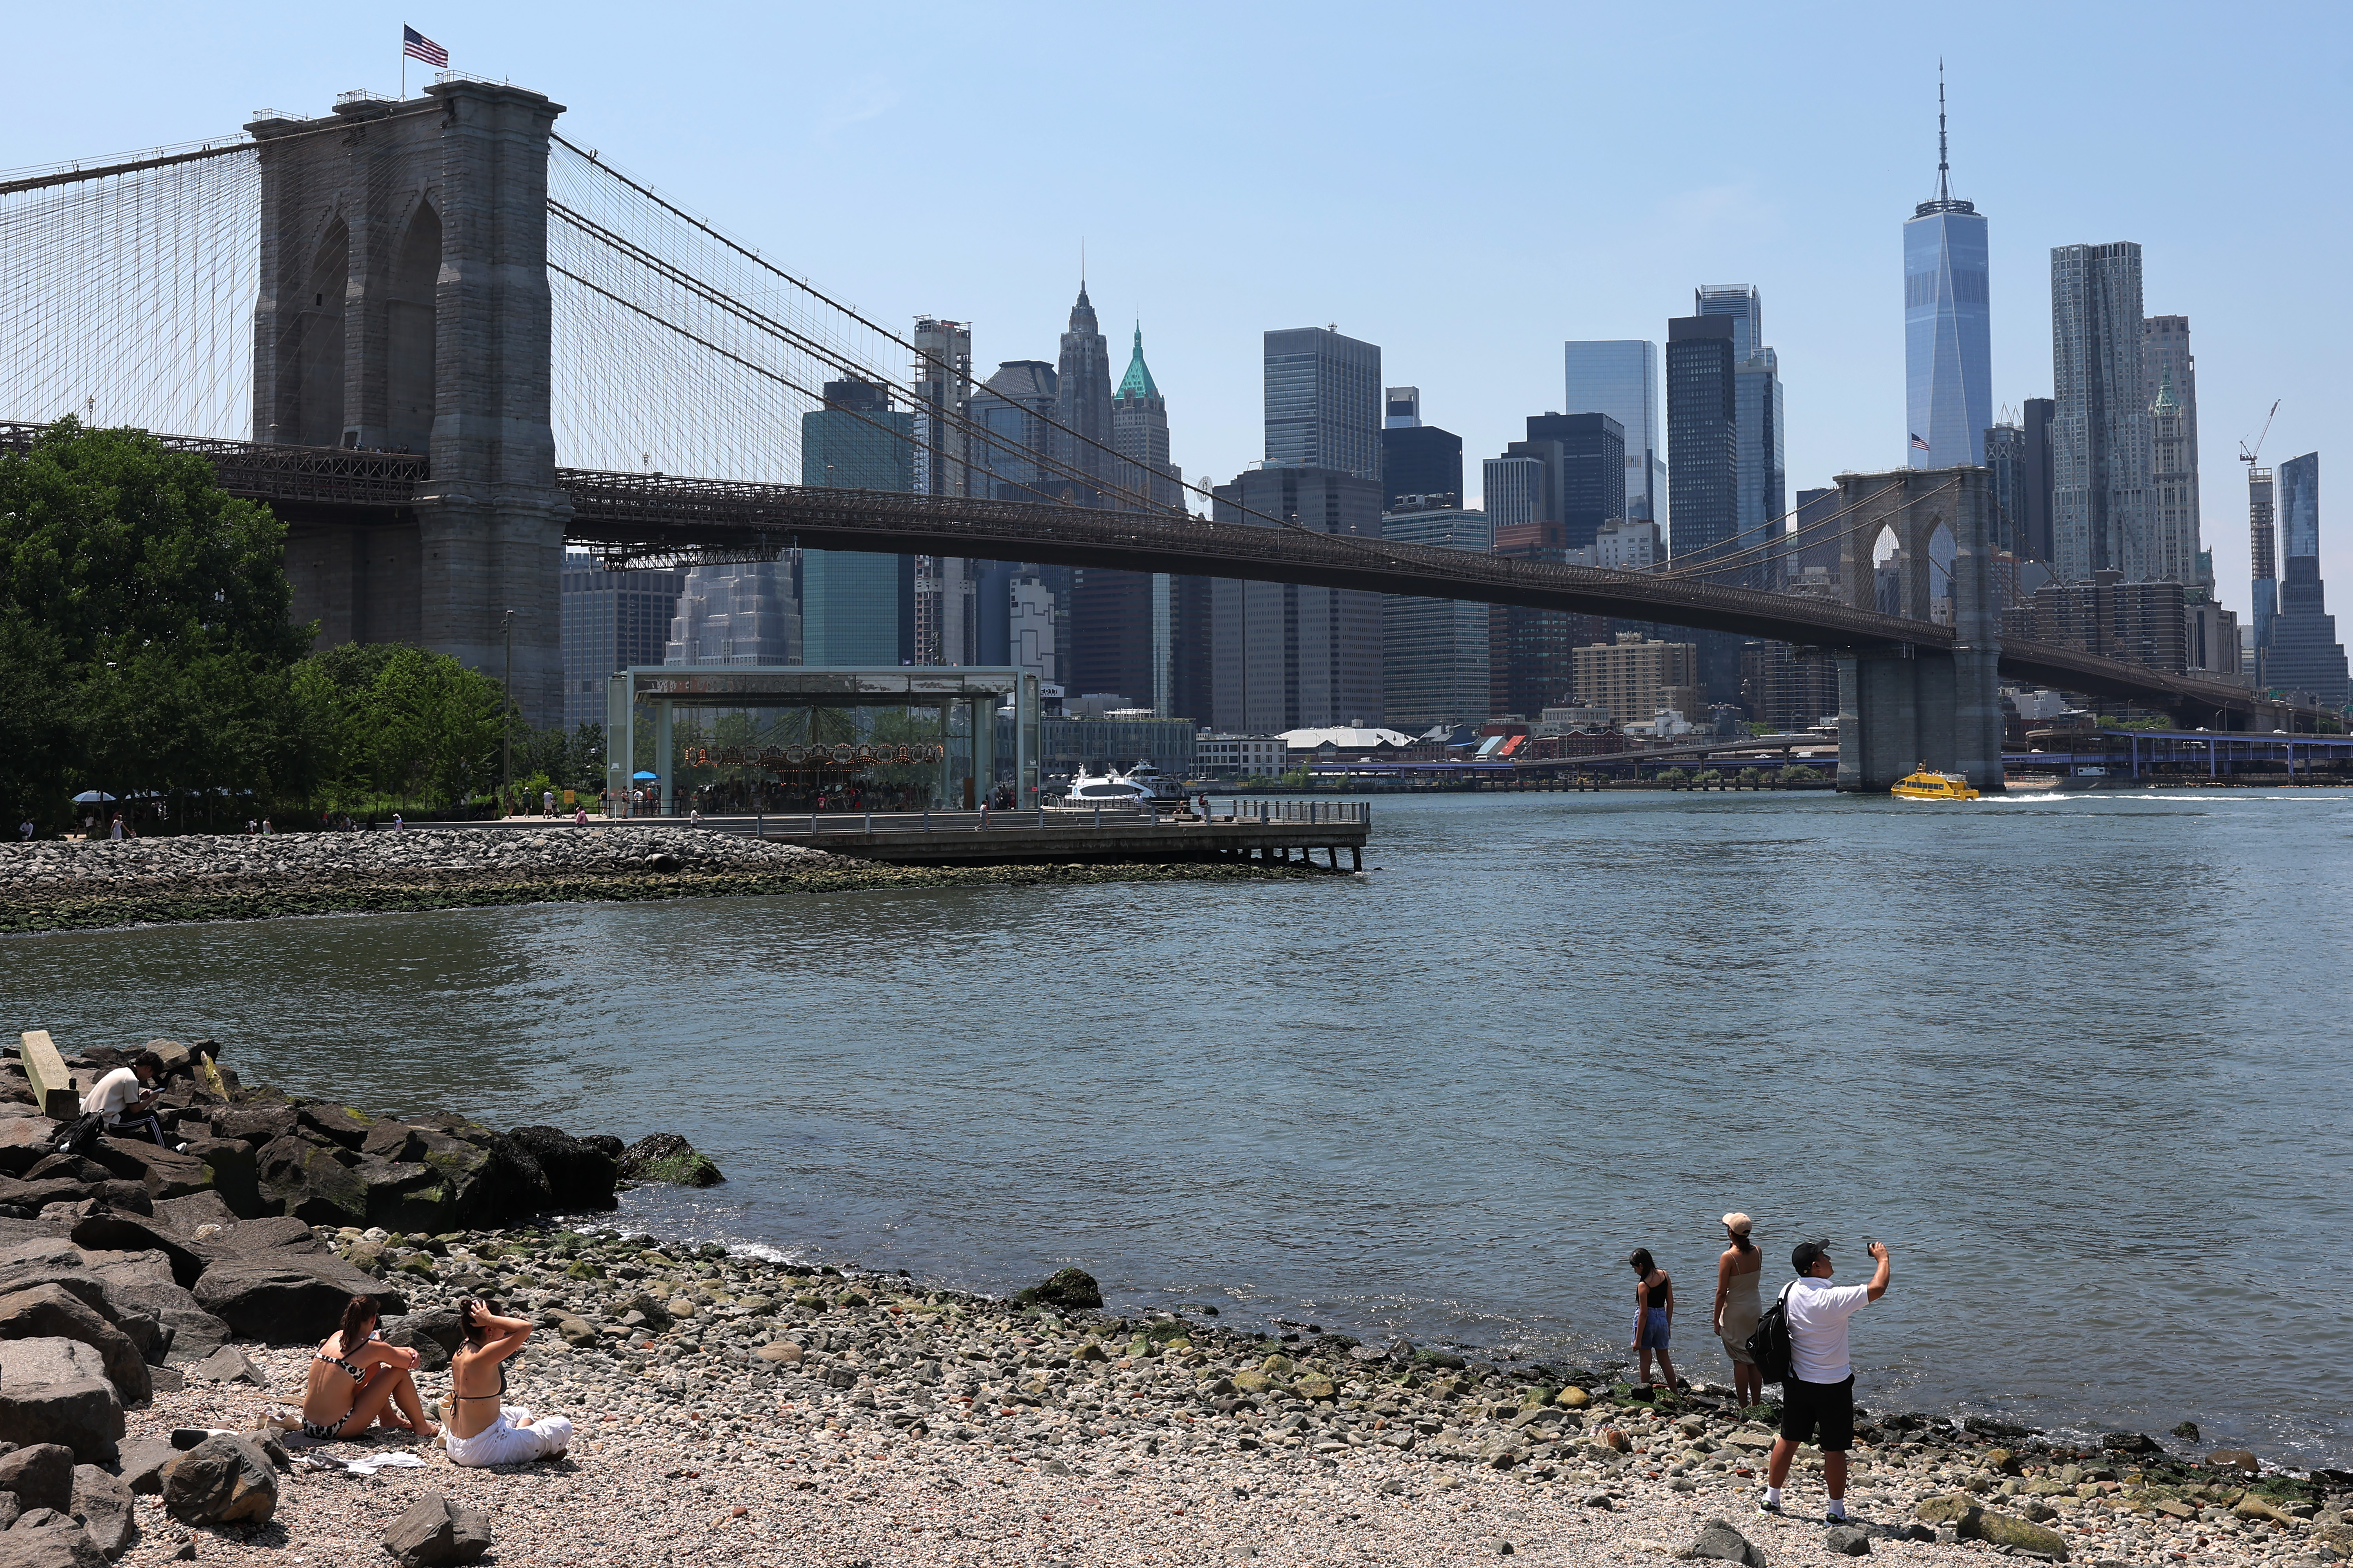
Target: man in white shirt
x,y
123,1098
1818,1396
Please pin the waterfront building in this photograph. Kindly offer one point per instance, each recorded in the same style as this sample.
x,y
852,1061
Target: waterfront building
x,y
2100,426
1620,378
1117,740
1286,653
613,620
1529,650
1947,325
1585,459
1323,401
857,608
1788,692
2170,369
1222,756
2173,626
1417,461
732,613
1434,651
2303,654
941,378
1632,676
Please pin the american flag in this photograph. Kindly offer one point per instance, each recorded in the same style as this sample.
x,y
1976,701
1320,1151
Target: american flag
x,y
1918,445
418,46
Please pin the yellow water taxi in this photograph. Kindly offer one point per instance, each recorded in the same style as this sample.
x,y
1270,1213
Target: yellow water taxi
x,y
1925,785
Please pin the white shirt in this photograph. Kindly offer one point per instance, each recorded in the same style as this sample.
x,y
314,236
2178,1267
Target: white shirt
x,y
1818,1314
113,1093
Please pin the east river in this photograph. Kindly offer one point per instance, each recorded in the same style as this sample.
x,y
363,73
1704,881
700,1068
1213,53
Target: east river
x,y
2081,1061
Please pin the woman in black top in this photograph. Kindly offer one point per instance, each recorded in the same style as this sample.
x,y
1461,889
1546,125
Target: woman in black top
x,y
1654,1315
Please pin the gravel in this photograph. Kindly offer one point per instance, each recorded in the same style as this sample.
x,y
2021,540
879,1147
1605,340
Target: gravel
x,y
925,1426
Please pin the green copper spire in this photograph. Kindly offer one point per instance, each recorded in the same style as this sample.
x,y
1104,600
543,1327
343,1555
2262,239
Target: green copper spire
x,y
2166,404
1137,383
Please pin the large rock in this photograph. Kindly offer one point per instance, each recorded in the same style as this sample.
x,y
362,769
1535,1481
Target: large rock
x,y
233,1169
143,1459
255,1123
51,1312
227,1364
106,1510
579,1176
180,1217
224,1479
57,1391
164,1172
277,1234
52,1541
38,1194
327,1122
140,1285
23,1142
666,1157
41,1475
437,1531
2004,1530
1072,1288
311,1183
287,1299
403,1195
1719,1543
394,1140
130,1233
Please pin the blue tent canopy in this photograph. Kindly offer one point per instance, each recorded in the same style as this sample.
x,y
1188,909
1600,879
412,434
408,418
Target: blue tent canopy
x,y
645,775
92,798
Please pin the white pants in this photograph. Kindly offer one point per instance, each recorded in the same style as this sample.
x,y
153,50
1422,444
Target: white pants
x,y
506,1442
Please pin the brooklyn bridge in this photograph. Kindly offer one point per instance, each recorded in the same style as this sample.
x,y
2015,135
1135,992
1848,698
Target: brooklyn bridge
x,y
442,342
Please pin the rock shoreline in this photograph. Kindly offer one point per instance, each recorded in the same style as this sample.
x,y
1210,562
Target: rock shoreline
x,y
732,1408
86,886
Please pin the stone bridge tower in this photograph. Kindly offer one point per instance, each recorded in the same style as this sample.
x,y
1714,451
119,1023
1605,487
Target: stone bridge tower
x,y
403,307
1905,703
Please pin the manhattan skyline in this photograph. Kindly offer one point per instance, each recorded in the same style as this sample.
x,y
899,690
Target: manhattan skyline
x,y
1808,207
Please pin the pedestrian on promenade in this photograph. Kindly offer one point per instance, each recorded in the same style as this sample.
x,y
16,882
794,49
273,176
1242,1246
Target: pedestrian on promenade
x,y
26,830
983,822
117,830
1818,1396
1736,1307
1654,1315
580,817
397,823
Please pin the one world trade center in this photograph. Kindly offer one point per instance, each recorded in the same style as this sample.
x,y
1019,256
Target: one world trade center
x,y
1947,353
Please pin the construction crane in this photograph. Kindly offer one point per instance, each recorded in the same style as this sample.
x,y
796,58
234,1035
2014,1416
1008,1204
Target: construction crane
x,y
2247,453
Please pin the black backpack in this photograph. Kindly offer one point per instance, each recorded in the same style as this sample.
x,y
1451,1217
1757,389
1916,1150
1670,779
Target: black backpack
x,y
1768,1347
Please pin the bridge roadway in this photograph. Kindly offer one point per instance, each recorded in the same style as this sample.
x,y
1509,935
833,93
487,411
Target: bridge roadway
x,y
654,517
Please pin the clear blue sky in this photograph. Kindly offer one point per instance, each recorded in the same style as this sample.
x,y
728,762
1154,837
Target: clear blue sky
x,y
1464,186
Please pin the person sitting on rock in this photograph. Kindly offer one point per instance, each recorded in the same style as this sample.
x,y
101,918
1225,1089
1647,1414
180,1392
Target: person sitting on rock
x,y
356,1379
124,1099
483,1429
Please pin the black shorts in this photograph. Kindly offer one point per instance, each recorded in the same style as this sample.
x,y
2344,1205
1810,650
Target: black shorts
x,y
1824,1407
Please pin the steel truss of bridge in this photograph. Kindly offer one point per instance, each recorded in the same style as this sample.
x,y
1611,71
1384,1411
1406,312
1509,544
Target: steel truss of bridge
x,y
632,518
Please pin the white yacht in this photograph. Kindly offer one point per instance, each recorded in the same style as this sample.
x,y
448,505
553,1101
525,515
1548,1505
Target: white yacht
x,y
1139,789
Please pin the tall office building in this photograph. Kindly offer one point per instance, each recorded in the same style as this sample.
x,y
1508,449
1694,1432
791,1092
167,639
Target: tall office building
x,y
1514,490
1759,416
1082,406
1434,651
2039,479
1009,416
2169,372
1702,434
2263,563
1288,657
2005,460
1421,465
732,613
941,380
1529,650
1947,325
1585,459
857,608
2304,654
613,620
2100,430
1620,378
1324,401
1139,433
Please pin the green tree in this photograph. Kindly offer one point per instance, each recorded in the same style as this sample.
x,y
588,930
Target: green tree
x,y
147,610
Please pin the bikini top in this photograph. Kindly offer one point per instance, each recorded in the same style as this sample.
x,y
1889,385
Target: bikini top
x,y
358,1375
502,1394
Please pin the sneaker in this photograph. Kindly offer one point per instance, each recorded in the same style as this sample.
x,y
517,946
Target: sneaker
x,y
1767,1505
1838,1518
183,1149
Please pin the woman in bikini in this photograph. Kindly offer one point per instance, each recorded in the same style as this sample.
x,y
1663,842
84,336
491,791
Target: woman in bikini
x,y
356,1379
483,1429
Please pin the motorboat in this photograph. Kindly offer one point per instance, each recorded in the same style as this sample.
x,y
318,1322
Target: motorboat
x,y
1138,790
1923,784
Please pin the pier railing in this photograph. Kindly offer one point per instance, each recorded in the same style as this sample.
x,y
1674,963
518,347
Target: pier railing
x,y
1310,812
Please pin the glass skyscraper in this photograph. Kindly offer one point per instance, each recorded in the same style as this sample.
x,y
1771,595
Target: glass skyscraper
x,y
1948,326
1323,401
1620,378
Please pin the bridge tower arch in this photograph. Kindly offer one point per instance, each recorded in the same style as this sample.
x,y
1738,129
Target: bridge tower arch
x,y
403,305
1902,703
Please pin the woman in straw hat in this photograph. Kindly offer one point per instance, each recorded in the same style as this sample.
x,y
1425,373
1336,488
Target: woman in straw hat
x,y
1736,1307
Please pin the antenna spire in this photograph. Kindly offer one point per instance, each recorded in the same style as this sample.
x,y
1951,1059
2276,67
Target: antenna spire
x,y
1943,165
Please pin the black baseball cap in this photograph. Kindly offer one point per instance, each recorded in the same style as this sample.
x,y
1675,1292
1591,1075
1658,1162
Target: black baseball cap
x,y
1807,1253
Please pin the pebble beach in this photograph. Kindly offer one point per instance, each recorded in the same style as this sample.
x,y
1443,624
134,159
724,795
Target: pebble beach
x,y
737,1409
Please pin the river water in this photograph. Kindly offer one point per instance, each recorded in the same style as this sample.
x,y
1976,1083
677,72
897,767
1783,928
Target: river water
x,y
2081,1061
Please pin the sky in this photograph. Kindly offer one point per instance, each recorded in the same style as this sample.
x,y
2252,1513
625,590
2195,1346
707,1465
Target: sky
x,y
1466,185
